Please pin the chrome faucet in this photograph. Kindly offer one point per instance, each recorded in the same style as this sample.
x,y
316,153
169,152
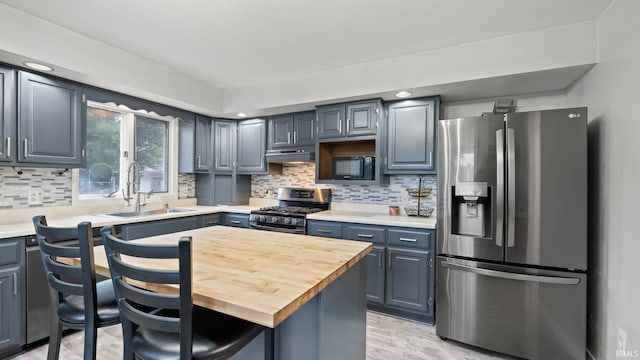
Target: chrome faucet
x,y
136,185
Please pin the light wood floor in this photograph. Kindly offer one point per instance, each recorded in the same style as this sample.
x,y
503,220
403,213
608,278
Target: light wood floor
x,y
388,338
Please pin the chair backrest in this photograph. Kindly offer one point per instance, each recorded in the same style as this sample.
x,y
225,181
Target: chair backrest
x,y
66,279
138,306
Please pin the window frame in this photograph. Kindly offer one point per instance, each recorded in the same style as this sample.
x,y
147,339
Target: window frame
x,y
127,143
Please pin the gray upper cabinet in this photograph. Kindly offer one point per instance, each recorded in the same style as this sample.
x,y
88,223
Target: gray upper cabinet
x,y
331,119
51,122
362,118
195,145
351,119
292,131
203,148
411,136
7,115
280,132
224,144
252,146
304,129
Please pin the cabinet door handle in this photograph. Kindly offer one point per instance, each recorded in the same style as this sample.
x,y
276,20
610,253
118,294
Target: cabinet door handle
x,y
212,223
340,125
198,158
367,236
216,163
430,301
324,231
408,239
8,146
25,142
15,283
389,260
380,260
288,137
262,163
295,137
348,125
430,158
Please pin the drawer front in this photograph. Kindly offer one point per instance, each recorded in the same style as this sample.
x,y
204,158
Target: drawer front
x,y
324,229
209,220
237,220
372,234
411,237
10,251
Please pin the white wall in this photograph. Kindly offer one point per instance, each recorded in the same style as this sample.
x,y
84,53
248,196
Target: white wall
x,y
529,102
611,90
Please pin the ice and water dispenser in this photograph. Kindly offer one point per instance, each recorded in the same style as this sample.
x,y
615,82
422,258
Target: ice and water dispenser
x,y
471,209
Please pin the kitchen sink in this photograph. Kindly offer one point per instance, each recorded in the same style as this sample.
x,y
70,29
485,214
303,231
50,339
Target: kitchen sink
x,y
150,212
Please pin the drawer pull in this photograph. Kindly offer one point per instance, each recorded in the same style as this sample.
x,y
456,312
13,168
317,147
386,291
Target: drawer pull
x,y
368,236
235,221
408,239
212,223
324,231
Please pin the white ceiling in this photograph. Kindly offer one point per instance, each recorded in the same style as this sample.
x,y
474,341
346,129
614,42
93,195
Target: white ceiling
x,y
232,44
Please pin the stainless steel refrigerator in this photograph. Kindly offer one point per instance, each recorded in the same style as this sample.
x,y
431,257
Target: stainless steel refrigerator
x,y
512,233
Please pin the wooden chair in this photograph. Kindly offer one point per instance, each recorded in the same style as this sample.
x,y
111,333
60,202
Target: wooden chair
x,y
168,326
77,301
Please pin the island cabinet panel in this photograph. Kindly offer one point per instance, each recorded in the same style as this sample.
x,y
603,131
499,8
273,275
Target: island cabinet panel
x,y
152,228
12,291
408,279
7,116
51,121
324,229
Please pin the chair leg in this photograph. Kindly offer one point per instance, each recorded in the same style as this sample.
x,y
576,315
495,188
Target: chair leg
x,y
54,340
90,337
127,337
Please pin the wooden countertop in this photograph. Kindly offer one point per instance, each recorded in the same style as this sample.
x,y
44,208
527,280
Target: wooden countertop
x,y
259,276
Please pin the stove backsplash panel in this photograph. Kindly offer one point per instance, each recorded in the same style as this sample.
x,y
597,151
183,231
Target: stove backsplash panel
x,y
303,175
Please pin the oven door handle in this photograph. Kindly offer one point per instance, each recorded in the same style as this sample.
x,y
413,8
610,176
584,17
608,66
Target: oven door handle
x,y
271,228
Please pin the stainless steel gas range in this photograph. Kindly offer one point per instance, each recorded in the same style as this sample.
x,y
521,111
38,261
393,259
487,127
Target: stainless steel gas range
x,y
294,205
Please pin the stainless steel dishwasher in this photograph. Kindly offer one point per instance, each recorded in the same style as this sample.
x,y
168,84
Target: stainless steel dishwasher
x,y
38,298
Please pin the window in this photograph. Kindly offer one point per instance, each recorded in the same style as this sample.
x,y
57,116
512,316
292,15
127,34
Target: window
x,y
116,136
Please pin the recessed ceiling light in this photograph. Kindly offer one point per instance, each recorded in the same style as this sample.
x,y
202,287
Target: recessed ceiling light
x,y
241,115
403,94
37,66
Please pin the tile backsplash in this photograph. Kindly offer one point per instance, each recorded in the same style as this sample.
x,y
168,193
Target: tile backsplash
x,y
303,175
52,185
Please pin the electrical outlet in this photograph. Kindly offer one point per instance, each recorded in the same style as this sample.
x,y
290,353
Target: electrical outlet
x,y
622,339
34,197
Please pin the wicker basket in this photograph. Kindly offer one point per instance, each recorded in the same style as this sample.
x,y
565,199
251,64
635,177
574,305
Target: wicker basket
x,y
414,192
413,211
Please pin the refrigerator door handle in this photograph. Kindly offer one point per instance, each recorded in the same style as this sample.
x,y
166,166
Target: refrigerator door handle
x,y
514,276
511,188
500,187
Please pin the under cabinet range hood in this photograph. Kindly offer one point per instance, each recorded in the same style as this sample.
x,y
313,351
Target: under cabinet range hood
x,y
293,155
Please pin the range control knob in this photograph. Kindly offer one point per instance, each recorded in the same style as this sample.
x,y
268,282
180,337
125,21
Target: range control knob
x,y
294,221
274,219
287,221
261,218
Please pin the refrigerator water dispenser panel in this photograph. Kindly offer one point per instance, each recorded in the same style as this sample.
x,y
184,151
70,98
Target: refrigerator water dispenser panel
x,y
471,209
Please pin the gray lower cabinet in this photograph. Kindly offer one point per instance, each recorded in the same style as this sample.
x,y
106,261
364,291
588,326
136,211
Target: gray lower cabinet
x,y
408,279
7,116
12,291
159,227
411,136
252,147
400,273
324,228
51,122
376,264
210,220
236,220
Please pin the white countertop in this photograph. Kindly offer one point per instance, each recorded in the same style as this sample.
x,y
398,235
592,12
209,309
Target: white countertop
x,y
24,227
374,218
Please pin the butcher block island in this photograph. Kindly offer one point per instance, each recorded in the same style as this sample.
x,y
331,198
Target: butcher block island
x,y
310,290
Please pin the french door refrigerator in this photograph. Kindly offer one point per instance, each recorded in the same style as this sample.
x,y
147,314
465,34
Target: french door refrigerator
x,y
512,233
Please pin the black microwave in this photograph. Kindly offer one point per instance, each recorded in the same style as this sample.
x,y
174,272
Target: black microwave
x,y
353,168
